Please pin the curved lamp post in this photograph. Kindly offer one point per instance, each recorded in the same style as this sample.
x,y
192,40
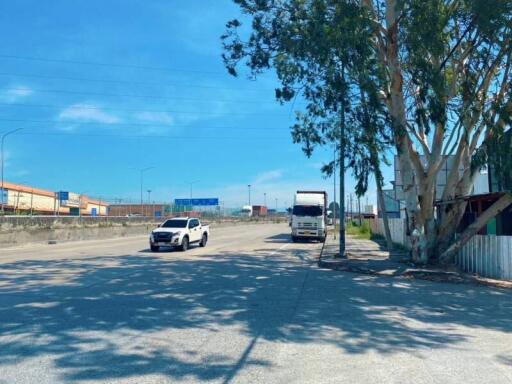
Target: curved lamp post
x,y
2,160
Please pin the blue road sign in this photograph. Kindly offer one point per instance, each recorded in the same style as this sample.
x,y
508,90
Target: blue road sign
x,y
197,202
62,196
3,195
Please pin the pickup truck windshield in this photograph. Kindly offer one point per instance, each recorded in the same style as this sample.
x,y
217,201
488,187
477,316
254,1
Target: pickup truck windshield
x,y
307,210
175,224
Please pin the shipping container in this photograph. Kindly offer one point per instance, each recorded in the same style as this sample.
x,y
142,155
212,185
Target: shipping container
x,y
259,211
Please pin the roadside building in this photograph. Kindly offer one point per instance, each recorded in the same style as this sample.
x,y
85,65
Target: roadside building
x,y
488,187
153,210
25,200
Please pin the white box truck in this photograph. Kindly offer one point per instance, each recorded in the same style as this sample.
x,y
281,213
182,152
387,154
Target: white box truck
x,y
309,215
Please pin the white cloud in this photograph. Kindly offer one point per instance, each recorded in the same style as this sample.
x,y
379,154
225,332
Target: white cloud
x,y
155,117
87,113
13,94
268,176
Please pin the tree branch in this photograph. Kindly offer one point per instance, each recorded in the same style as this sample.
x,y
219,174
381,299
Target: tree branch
x,y
501,204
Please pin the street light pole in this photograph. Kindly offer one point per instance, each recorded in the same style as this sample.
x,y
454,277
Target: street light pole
x,y
2,160
265,199
191,183
142,170
149,200
249,187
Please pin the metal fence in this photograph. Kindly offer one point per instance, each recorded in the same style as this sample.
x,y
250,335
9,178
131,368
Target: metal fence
x,y
488,256
396,227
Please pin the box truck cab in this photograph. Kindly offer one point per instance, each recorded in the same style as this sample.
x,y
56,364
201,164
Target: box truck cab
x,y
308,220
246,211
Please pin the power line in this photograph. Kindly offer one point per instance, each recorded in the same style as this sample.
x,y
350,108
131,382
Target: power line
x,y
118,136
104,64
88,107
115,81
152,125
64,91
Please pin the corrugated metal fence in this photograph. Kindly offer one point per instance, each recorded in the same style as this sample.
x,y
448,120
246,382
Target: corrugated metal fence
x,y
396,227
488,256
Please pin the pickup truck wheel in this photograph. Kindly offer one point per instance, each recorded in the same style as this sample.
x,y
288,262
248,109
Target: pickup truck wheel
x,y
294,239
184,244
204,239
155,248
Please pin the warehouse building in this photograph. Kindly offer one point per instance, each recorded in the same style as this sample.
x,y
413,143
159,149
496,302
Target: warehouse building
x,y
150,210
19,199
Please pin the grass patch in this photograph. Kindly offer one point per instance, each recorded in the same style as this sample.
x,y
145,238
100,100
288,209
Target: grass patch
x,y
362,231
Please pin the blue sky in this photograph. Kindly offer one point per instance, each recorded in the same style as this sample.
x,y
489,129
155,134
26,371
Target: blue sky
x,y
102,88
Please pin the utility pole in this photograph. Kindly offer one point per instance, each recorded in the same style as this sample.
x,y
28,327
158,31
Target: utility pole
x,y
32,202
149,200
276,206
334,193
342,174
249,188
191,183
351,209
142,171
2,161
359,209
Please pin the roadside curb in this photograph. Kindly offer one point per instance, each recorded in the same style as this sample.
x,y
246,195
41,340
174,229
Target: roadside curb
x,y
406,270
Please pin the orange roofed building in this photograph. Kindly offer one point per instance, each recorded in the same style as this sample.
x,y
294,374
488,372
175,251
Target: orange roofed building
x,y
20,199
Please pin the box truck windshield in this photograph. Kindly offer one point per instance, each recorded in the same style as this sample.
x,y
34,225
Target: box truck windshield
x,y
307,210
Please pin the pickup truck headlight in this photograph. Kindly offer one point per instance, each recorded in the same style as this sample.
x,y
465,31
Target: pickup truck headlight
x,y
152,238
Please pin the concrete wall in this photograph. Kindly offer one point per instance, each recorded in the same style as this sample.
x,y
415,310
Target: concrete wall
x,y
25,230
20,230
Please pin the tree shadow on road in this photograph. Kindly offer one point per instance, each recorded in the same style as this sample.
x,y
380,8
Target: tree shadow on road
x,y
280,238
110,317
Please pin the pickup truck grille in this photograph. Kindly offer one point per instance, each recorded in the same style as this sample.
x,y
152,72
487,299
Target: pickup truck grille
x,y
162,236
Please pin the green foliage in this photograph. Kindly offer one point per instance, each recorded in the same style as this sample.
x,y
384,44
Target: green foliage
x,y
361,232
453,56
496,152
321,53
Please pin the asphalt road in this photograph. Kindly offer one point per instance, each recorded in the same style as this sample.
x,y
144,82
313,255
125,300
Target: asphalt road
x,y
251,307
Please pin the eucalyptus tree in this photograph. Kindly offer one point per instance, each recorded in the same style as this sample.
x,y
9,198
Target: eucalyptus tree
x,y
441,70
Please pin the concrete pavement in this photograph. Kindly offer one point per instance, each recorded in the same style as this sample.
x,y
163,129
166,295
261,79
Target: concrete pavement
x,y
251,307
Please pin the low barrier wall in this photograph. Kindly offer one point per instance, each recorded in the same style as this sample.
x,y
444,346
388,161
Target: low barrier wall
x,y
26,230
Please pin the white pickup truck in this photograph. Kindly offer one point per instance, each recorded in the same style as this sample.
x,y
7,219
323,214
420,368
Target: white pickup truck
x,y
179,233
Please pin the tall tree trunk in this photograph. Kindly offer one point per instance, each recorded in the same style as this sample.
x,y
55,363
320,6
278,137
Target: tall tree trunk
x,y
399,121
501,204
379,179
